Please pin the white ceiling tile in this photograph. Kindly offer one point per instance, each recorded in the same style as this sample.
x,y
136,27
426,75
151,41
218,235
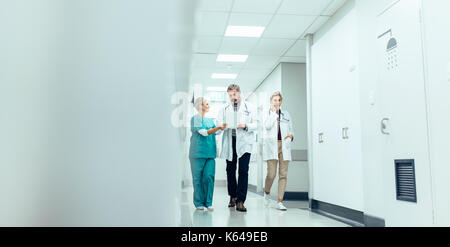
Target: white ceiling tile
x,y
318,23
207,44
303,7
203,76
212,23
238,46
204,60
219,70
293,60
238,19
261,62
229,66
272,47
333,7
247,75
298,50
199,75
207,62
249,79
288,26
214,5
256,6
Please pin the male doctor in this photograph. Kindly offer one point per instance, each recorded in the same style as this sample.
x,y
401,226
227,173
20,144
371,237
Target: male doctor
x,y
237,143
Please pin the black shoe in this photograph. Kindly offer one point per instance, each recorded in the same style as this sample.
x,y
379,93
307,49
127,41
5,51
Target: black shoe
x,y
232,202
240,207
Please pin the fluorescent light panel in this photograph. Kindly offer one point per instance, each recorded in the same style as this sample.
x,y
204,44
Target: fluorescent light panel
x,y
223,76
244,31
232,58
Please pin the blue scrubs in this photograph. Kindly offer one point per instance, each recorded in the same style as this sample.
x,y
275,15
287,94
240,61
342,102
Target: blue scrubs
x,y
202,154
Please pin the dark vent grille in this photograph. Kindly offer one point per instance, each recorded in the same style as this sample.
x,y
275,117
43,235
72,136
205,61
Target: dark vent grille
x,y
405,179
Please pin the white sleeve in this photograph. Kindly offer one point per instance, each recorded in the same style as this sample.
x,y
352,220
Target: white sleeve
x,y
270,120
203,132
252,124
220,120
291,129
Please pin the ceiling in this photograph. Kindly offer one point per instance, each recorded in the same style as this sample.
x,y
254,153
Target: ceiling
x,y
286,21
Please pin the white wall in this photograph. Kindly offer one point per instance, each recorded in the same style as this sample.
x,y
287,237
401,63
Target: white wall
x,y
290,80
337,169
437,76
371,97
371,140
261,98
293,88
85,114
437,60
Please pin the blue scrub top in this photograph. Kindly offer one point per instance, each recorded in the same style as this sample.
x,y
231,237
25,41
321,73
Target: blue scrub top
x,y
202,147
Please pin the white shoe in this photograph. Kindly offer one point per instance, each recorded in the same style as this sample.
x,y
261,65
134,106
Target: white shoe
x,y
266,199
210,208
201,208
281,207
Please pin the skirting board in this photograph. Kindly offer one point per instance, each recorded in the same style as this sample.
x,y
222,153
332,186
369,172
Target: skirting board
x,y
296,196
188,183
346,215
291,196
371,221
251,188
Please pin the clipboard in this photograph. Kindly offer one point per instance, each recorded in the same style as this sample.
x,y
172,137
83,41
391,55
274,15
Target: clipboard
x,y
233,119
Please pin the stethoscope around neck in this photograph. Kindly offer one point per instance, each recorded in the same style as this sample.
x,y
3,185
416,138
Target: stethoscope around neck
x,y
226,108
281,116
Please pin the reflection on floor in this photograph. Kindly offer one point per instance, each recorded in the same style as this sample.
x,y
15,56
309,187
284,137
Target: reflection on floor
x,y
297,215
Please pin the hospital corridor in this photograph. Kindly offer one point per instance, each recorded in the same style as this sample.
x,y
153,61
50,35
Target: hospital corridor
x,y
225,113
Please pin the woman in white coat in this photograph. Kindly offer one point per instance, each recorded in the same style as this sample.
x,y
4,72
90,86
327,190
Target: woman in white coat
x,y
278,135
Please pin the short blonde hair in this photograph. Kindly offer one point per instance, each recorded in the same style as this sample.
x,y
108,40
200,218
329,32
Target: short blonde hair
x,y
198,103
275,95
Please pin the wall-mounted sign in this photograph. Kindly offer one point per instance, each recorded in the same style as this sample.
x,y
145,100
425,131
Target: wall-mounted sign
x,y
391,50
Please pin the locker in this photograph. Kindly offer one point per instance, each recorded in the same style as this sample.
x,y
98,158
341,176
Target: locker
x,y
337,172
403,123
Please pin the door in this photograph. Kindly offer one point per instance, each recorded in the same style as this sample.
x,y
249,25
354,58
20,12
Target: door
x,y
403,123
322,127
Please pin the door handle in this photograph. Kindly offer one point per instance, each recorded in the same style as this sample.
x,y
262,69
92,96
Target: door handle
x,y
383,126
345,133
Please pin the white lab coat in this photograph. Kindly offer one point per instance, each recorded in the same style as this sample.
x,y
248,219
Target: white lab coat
x,y
270,135
244,138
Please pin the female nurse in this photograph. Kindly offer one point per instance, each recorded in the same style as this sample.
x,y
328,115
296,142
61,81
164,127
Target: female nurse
x,y
202,154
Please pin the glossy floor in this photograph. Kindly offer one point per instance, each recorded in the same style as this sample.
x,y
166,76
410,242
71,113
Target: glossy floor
x,y
258,215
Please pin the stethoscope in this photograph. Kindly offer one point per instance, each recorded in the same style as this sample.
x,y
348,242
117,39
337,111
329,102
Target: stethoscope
x,y
282,115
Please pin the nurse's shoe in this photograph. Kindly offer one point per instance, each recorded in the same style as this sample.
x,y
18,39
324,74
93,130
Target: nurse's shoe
x,y
201,208
210,209
281,207
266,199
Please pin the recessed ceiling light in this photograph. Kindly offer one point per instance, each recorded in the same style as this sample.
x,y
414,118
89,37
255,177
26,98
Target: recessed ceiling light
x,y
232,58
244,31
224,76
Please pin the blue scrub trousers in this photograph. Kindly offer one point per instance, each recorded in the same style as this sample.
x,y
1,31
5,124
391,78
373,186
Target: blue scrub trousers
x,y
203,172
